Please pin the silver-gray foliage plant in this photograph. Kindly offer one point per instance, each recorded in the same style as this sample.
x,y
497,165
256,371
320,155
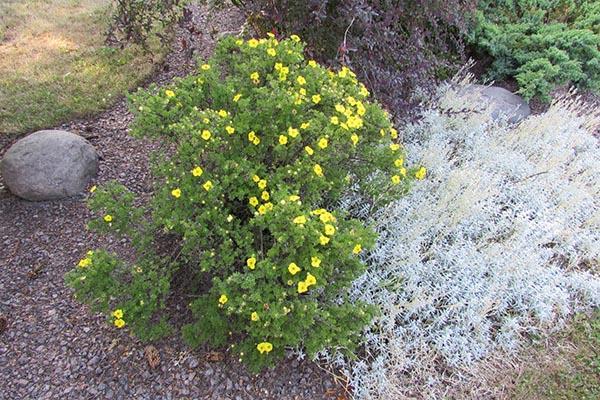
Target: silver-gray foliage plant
x,y
501,240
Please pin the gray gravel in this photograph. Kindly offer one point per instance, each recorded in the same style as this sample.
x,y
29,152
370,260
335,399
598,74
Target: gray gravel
x,y
54,347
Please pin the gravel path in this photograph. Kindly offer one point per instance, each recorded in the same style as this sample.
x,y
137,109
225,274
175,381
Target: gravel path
x,y
53,347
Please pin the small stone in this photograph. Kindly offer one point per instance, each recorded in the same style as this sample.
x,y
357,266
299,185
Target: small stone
x,y
192,362
502,103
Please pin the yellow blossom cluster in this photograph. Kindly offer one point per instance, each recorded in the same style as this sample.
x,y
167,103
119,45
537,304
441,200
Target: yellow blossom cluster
x,y
87,261
304,285
264,347
118,315
264,195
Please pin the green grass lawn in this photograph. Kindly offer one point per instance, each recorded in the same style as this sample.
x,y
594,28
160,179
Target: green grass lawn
x,y
566,368
54,65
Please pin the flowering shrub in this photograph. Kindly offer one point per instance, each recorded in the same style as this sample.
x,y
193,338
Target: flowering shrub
x,y
262,145
502,240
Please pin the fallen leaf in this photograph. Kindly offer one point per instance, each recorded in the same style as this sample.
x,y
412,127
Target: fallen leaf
x,y
214,356
152,356
3,324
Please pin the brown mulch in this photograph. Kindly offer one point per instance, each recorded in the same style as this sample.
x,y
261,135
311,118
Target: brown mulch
x,y
52,347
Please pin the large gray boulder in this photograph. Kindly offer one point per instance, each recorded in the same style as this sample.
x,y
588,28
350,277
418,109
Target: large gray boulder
x,y
502,103
48,165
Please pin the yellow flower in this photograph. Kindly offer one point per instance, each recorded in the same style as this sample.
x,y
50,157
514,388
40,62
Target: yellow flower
x,y
395,179
278,66
301,80
351,100
318,170
251,136
302,91
305,125
295,38
334,120
343,72
316,98
255,178
293,198
237,97
255,77
108,217
239,42
355,122
205,67
340,108
269,206
262,210
329,229
265,196
354,138
207,185
251,262
119,323
360,109
310,280
223,113
84,262
230,129
252,42
206,134
223,299
254,316
206,120
256,141
403,171
398,162
393,133
312,63
293,268
290,282
357,249
197,171
262,184
302,287
271,51
283,139
309,150
394,147
323,240
322,143
253,201
315,261
300,220
293,132
326,217
363,91
118,313
169,93
93,189
264,347
420,174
